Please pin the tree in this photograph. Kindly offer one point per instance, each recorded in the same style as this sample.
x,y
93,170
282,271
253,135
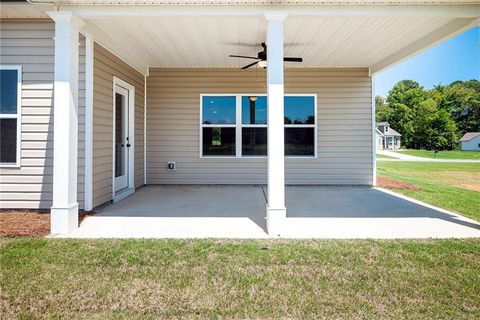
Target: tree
x,y
424,117
383,110
407,92
444,130
461,99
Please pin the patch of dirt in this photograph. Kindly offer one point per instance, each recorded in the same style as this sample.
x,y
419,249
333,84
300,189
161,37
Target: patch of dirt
x,y
387,183
461,179
29,223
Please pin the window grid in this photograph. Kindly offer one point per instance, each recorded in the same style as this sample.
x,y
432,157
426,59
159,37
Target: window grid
x,y
17,116
239,125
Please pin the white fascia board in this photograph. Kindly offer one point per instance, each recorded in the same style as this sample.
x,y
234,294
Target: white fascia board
x,y
109,12
449,30
123,52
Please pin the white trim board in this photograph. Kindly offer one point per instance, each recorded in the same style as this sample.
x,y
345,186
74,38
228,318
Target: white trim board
x,y
145,131
89,61
130,11
117,196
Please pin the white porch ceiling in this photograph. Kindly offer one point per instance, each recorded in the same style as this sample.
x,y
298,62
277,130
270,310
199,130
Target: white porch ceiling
x,y
196,34
198,41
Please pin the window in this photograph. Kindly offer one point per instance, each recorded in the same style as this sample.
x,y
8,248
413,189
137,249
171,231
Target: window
x,y
10,117
299,126
254,126
236,125
219,125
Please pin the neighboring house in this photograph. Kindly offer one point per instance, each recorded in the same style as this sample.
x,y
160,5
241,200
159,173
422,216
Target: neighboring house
x,y
387,138
379,139
470,141
146,93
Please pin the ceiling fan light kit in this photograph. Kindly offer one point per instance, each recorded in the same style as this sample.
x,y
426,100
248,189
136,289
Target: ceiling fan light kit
x,y
261,59
262,64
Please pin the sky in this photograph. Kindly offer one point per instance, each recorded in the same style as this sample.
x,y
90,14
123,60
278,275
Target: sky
x,y
458,58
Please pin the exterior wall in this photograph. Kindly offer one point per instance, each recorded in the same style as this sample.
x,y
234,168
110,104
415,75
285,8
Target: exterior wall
x,y
105,67
31,45
344,132
472,145
379,141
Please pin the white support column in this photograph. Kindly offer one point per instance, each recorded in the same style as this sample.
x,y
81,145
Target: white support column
x,y
276,211
88,192
64,212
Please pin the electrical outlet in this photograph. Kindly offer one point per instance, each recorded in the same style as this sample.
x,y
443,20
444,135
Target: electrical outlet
x,y
171,166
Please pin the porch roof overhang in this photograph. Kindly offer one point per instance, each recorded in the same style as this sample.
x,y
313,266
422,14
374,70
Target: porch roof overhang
x,y
177,34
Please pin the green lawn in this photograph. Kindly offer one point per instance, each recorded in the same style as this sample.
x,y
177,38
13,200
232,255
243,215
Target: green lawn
x,y
199,279
381,156
453,186
466,155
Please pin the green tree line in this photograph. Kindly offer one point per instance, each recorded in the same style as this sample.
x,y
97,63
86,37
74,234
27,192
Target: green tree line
x,y
431,119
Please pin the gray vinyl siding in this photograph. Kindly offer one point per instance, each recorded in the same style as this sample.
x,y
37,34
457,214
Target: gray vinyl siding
x,y
106,66
344,132
30,44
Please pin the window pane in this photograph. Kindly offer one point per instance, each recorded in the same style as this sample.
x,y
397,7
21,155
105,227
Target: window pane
x,y
219,141
219,110
8,90
254,141
8,140
254,110
299,110
120,148
299,141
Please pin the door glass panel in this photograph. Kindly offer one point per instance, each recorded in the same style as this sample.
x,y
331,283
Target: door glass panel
x,y
120,148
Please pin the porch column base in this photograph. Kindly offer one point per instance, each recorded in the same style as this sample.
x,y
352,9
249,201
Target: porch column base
x,y
64,220
276,219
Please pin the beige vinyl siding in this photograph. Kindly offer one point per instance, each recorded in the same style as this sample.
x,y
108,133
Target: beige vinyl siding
x,y
30,44
344,126
106,66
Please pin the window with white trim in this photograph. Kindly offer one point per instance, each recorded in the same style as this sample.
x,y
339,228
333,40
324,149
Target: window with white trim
x,y
10,115
236,125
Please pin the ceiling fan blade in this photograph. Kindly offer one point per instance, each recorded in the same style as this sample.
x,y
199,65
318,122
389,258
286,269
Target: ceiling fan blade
x,y
291,59
250,65
246,57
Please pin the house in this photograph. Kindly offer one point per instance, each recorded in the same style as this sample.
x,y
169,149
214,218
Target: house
x,y
470,141
100,98
387,138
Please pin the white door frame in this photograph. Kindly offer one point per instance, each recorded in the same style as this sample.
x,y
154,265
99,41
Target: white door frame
x,y
119,195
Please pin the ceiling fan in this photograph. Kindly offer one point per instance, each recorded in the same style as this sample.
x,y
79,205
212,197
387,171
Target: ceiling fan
x,y
261,58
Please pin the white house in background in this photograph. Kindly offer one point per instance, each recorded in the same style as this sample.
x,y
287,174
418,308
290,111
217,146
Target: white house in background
x,y
147,92
470,141
387,138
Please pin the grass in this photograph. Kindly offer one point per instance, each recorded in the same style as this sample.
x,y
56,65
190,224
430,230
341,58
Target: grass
x,y
381,156
459,155
198,279
452,186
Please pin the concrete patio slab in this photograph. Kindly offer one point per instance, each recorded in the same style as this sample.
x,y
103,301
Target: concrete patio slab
x,y
326,212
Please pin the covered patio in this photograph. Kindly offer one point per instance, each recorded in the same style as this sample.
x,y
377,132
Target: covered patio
x,y
139,95
239,212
